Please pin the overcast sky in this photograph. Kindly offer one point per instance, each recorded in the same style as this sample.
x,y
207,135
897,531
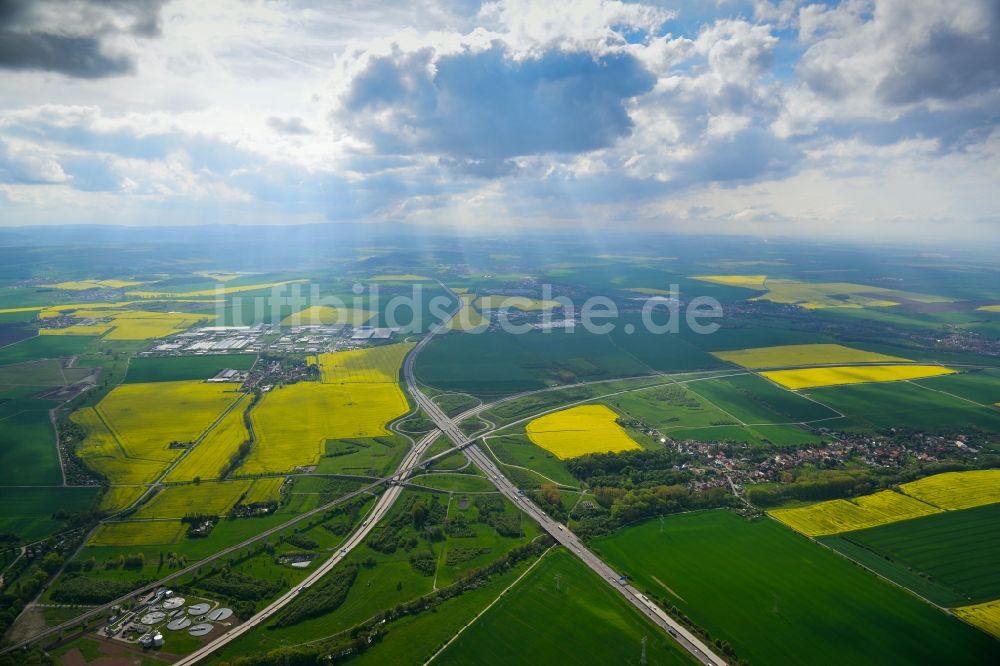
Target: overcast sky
x,y
858,118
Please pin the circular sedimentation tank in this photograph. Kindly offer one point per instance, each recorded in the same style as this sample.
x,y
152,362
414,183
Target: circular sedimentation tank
x,y
220,614
153,617
179,623
173,602
200,629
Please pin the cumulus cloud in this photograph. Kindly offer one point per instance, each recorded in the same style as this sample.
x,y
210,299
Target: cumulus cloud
x,y
25,163
74,37
289,125
512,111
908,51
488,105
581,25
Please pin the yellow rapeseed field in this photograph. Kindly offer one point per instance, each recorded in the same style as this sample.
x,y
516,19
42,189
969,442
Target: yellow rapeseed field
x,y
819,295
986,616
957,490
514,303
810,354
145,418
58,310
292,423
213,498
748,281
814,377
580,430
208,459
100,451
214,291
265,490
327,315
838,516
77,329
468,318
140,325
79,285
120,497
989,308
139,533
371,365
815,295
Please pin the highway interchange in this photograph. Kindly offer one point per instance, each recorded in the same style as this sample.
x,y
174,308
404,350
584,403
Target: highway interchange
x,y
563,536
567,539
410,463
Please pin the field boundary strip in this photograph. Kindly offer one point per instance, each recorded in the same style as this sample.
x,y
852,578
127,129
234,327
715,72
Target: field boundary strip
x,y
491,604
916,382
738,420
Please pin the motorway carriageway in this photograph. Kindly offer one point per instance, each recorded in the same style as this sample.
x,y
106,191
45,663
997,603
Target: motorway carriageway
x,y
567,539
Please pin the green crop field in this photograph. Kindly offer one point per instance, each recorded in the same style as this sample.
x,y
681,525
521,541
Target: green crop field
x,y
507,363
979,386
452,462
905,404
730,337
518,450
665,352
777,597
40,374
28,511
669,407
404,316
175,368
371,456
754,400
10,331
45,346
955,550
684,411
454,404
467,483
561,613
27,443
412,639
